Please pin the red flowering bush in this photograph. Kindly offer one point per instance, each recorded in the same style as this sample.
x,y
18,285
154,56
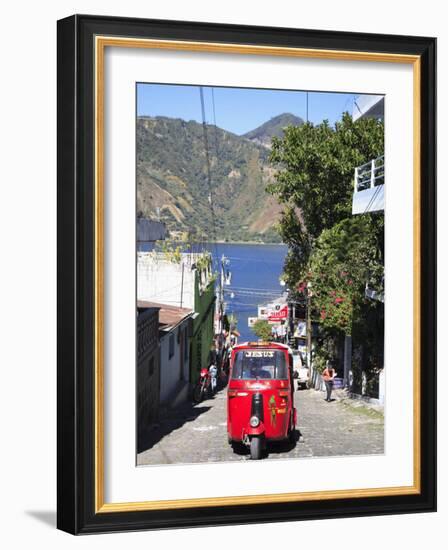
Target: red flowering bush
x,y
343,259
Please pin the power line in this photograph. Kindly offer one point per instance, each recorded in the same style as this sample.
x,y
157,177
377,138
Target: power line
x,y
253,260
357,106
214,123
350,98
209,173
216,152
273,291
261,295
248,306
307,101
220,294
373,198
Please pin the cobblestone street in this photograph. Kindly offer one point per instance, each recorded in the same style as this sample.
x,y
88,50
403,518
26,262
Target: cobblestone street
x,y
197,433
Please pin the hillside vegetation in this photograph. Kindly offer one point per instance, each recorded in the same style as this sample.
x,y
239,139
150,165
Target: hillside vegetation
x,y
273,128
173,183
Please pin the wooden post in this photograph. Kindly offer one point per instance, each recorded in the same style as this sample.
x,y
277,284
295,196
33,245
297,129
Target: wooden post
x,y
182,285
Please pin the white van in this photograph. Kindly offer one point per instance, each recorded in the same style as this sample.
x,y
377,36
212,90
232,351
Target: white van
x,y
301,373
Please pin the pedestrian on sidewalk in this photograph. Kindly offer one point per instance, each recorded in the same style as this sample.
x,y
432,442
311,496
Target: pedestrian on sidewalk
x,y
281,332
213,367
329,375
213,371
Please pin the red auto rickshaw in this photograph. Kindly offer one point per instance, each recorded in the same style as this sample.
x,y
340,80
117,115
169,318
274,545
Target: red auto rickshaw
x,y
260,398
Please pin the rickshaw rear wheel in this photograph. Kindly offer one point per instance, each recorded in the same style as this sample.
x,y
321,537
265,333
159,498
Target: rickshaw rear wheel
x,y
291,431
292,435
256,445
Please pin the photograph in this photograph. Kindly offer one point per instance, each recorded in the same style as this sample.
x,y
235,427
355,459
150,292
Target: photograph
x,y
237,320
246,312
260,274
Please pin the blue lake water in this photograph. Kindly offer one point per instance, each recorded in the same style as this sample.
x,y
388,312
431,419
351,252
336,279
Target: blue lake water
x,y
255,280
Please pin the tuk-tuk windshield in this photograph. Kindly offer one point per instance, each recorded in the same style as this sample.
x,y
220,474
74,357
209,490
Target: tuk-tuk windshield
x,y
260,363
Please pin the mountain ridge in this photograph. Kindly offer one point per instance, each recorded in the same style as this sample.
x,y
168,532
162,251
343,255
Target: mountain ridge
x,y
173,182
273,127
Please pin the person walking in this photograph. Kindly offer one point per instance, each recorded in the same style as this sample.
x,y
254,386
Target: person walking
x,y
225,361
213,371
329,375
281,332
213,368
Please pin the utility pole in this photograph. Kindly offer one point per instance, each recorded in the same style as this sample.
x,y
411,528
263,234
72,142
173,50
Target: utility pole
x,y
220,294
309,329
307,106
182,284
221,297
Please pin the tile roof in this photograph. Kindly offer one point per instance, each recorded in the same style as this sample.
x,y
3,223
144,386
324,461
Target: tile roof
x,y
169,316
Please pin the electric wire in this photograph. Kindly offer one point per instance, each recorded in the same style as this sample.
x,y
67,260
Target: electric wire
x,y
208,167
372,198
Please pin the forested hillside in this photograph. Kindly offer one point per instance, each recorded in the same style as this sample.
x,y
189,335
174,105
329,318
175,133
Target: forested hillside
x,y
174,183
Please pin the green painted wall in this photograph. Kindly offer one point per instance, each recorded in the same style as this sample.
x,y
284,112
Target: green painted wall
x,y
203,328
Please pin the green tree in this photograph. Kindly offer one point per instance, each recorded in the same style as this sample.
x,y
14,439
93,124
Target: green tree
x,y
315,180
262,329
332,254
344,258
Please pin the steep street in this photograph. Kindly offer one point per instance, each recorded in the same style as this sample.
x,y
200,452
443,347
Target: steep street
x,y
197,433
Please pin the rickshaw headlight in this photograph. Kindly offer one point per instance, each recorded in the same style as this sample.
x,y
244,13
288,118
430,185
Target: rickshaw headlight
x,y
254,421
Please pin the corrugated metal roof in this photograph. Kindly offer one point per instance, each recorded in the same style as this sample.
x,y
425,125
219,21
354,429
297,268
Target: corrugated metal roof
x,y
150,230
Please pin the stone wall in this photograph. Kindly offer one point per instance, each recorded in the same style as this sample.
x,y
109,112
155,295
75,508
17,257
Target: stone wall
x,y
148,369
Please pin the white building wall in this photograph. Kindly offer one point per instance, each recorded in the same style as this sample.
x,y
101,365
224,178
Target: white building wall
x,y
170,372
368,106
159,280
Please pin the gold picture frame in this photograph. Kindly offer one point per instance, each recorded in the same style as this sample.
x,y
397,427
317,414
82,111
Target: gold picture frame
x,y
80,35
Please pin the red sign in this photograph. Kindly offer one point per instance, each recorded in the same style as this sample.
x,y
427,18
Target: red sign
x,y
279,313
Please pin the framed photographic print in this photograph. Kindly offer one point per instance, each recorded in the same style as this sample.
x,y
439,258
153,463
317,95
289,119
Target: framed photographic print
x,y
246,274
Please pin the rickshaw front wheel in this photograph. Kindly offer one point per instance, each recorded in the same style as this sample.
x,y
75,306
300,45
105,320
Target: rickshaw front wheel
x,y
256,446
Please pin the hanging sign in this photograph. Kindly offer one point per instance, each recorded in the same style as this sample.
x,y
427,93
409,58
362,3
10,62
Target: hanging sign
x,y
278,313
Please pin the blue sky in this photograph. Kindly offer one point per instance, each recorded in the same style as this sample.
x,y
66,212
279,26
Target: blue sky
x,y
239,109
